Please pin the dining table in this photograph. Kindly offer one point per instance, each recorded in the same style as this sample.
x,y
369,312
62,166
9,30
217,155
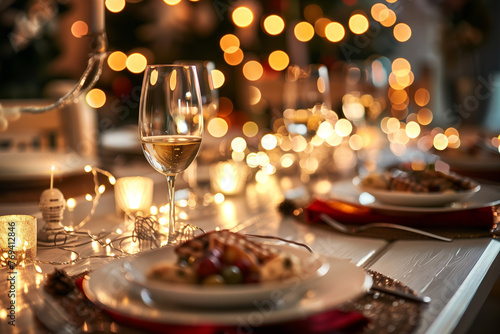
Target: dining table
x,y
456,275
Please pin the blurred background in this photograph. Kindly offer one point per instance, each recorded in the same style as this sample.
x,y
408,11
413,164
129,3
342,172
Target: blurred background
x,y
402,74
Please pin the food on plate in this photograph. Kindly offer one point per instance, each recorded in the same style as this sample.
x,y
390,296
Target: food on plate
x,y
423,181
224,257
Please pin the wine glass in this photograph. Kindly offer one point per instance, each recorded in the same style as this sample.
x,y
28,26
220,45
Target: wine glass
x,y
210,105
170,124
306,105
306,97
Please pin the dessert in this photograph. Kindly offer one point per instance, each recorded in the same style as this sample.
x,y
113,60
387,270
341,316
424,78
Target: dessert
x,y
224,257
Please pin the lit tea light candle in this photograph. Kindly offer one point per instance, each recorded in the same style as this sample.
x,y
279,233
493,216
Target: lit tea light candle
x,y
18,238
52,205
133,195
228,177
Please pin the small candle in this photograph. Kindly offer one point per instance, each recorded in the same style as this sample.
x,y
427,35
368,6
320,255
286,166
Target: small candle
x,y
228,177
52,177
18,238
133,194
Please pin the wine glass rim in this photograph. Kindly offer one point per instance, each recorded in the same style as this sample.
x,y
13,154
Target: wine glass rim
x,y
169,65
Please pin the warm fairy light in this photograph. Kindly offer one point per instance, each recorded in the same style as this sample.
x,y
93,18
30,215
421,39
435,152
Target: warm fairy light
x,y
88,197
238,144
226,107
153,210
299,143
325,130
253,70
412,129
219,198
391,1
117,61
238,156
393,125
320,26
218,78
334,139
287,160
242,16
358,23
278,60
95,98
422,97
235,57
402,32
356,142
334,32
115,6
269,142
393,82
343,127
172,2
87,168
250,129
261,177
451,131
440,141
136,62
229,41
388,18
379,11
303,31
405,80
254,95
112,180
71,203
273,25
217,127
398,96
401,67
263,158
101,189
252,160
79,29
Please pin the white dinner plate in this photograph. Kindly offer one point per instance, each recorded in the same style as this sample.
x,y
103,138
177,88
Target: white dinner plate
x,y
313,268
402,198
107,288
346,191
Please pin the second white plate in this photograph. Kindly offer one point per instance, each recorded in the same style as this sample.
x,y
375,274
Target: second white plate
x,y
402,198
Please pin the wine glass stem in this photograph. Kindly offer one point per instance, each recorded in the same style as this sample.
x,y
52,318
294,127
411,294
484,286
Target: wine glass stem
x,y
171,198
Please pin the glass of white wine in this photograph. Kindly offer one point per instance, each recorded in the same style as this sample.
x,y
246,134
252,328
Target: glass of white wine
x,y
170,124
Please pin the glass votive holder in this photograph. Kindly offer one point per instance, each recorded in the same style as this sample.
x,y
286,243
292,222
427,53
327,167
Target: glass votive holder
x,y
18,238
228,177
133,195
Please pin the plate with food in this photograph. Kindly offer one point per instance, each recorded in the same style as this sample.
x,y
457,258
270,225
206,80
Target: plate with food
x,y
423,188
108,288
225,269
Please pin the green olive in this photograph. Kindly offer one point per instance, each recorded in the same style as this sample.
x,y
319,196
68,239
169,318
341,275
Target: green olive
x,y
214,280
232,275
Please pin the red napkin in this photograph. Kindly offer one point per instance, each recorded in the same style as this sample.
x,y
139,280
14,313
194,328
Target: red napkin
x,y
481,218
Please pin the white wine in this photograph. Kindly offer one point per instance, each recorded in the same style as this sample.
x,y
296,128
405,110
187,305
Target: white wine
x,y
170,155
